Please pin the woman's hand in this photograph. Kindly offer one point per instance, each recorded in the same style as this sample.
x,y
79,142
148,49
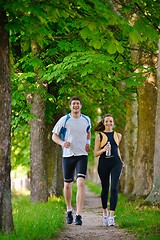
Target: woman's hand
x,y
107,148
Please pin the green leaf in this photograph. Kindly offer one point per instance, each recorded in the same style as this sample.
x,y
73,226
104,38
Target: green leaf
x,y
92,26
135,37
84,72
84,33
120,49
97,44
112,47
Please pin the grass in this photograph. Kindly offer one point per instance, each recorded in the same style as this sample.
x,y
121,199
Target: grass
x,y
139,219
36,221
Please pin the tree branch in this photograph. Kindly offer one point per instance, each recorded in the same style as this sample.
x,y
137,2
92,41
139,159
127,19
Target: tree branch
x,y
140,9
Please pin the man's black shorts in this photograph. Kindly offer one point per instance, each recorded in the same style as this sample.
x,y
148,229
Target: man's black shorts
x,y
70,164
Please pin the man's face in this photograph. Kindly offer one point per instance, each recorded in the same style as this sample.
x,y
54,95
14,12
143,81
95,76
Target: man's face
x,y
75,106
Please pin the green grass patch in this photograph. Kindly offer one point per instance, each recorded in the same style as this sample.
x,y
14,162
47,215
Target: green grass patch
x,y
36,221
134,215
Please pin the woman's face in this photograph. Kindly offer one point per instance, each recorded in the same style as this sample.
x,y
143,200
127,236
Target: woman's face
x,y
108,123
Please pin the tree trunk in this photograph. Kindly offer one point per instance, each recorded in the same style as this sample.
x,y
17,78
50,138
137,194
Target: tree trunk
x,y
154,196
54,162
147,97
54,153
6,220
57,182
38,145
130,142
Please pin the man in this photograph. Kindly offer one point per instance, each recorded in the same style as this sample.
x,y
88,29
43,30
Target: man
x,y
72,132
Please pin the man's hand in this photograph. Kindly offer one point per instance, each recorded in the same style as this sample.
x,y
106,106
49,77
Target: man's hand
x,y
87,147
66,144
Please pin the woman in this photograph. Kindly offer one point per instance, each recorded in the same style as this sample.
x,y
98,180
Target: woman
x,y
109,166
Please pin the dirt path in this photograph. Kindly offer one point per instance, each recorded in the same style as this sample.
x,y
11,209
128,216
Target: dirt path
x,y
92,228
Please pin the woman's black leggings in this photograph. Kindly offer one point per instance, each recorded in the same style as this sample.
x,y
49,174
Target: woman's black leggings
x,y
109,170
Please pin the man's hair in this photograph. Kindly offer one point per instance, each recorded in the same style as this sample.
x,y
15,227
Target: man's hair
x,y
75,98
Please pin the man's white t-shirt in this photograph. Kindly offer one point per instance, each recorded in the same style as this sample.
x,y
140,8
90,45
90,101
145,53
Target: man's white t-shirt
x,y
76,134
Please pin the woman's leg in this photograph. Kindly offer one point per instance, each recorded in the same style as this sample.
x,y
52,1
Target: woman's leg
x,y
104,174
115,175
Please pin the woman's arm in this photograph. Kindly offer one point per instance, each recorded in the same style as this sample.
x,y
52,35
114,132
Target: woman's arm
x,y
97,150
119,137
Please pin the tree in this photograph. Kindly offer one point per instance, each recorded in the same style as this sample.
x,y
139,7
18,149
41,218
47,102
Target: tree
x,y
142,15
143,171
154,195
39,182
6,221
130,143
39,176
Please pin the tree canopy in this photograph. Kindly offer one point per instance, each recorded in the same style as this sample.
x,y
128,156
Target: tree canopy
x,y
84,48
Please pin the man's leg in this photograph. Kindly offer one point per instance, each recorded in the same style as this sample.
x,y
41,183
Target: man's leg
x,y
68,198
68,195
81,169
80,194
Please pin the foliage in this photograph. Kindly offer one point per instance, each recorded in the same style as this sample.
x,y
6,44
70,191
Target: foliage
x,y
83,48
141,220
20,151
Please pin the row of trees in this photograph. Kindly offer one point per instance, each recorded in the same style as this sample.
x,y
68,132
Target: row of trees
x,y
103,51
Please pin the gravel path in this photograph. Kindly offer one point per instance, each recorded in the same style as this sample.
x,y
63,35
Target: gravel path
x,y
92,228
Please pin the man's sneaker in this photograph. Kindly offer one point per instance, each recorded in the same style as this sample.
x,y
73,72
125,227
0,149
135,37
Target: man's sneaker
x,y
105,220
78,220
69,217
111,221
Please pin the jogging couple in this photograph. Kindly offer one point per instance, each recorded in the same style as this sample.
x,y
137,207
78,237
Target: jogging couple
x,y
73,133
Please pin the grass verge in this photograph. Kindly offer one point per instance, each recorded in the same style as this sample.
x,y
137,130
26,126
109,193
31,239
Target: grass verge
x,y
36,221
139,219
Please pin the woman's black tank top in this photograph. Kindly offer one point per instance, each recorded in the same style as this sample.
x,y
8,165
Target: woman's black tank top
x,y
114,146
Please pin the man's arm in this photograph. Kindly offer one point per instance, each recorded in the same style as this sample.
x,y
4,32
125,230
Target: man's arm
x,y
88,141
59,141
89,136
